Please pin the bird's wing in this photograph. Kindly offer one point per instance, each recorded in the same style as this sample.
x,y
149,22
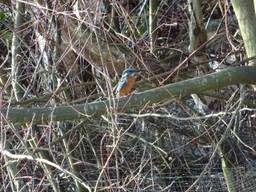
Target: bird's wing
x,y
120,84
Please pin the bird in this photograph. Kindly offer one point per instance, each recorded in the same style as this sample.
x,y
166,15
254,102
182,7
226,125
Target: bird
x,y
127,82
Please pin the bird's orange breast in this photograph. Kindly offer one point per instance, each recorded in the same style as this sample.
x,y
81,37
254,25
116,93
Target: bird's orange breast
x,y
126,90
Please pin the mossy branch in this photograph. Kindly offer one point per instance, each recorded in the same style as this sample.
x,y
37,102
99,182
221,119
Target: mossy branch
x,y
230,76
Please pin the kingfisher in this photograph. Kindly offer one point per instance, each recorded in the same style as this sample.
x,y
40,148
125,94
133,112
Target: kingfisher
x,y
126,83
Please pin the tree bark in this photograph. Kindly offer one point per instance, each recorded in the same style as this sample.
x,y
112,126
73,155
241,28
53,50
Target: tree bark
x,y
245,14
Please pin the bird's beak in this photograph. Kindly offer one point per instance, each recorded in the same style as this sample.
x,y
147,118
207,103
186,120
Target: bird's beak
x,y
139,70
